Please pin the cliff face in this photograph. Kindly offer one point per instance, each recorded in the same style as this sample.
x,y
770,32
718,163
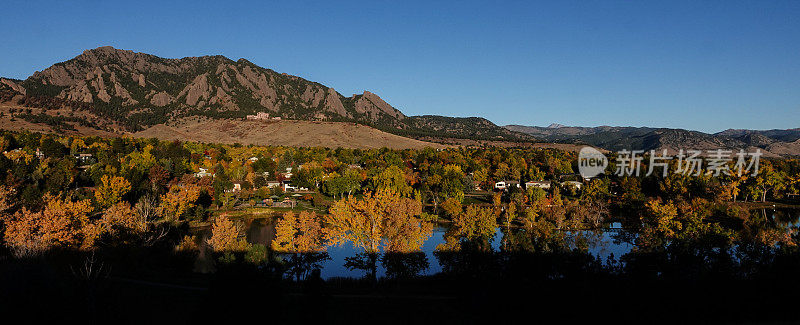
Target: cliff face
x,y
147,89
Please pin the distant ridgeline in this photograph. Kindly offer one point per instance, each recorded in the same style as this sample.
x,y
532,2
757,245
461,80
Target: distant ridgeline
x,y
132,91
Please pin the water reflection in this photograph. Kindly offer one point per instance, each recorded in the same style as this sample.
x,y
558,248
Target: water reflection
x,y
601,244
610,247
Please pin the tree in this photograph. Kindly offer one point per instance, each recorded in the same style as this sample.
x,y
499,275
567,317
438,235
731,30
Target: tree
x,y
453,182
225,236
383,221
299,233
178,200
476,223
452,207
301,238
62,223
121,216
768,179
111,190
394,179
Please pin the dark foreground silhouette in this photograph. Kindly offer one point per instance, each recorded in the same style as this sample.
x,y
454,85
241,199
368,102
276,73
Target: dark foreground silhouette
x,y
157,285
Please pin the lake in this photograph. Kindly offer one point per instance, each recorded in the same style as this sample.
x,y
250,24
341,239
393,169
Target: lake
x,y
602,243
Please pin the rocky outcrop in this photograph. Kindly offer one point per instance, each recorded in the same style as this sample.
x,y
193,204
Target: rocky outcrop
x,y
158,89
372,105
161,99
13,85
334,104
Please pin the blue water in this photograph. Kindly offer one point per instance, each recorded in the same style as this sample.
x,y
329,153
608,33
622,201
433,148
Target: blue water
x,y
263,232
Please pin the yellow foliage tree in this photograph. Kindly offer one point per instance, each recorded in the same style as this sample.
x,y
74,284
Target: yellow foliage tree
x,y
380,221
178,200
225,236
299,233
111,191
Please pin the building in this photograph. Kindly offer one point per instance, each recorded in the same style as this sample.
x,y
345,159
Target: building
x,y
504,185
272,184
537,184
259,116
84,158
253,159
203,173
287,185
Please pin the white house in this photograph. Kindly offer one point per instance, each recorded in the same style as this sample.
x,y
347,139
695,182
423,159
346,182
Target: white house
x,y
504,185
537,184
287,185
259,116
203,173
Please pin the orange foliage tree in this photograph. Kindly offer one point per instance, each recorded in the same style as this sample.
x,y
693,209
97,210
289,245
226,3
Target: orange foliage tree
x,y
178,200
122,216
225,236
62,224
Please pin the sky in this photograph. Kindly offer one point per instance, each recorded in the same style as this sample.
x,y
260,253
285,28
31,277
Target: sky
x,y
700,65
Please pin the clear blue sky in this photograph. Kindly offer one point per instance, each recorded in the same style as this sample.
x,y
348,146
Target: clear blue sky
x,y
698,65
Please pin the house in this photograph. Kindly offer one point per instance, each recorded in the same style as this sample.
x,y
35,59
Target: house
x,y
287,185
203,173
272,184
575,184
537,184
84,158
253,159
237,187
504,185
259,116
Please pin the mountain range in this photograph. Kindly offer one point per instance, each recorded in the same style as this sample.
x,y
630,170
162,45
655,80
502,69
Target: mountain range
x,y
771,142
108,91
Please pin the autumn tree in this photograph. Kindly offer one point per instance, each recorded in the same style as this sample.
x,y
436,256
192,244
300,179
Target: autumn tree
x,y
178,200
393,179
225,236
61,224
111,191
380,222
300,237
122,216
